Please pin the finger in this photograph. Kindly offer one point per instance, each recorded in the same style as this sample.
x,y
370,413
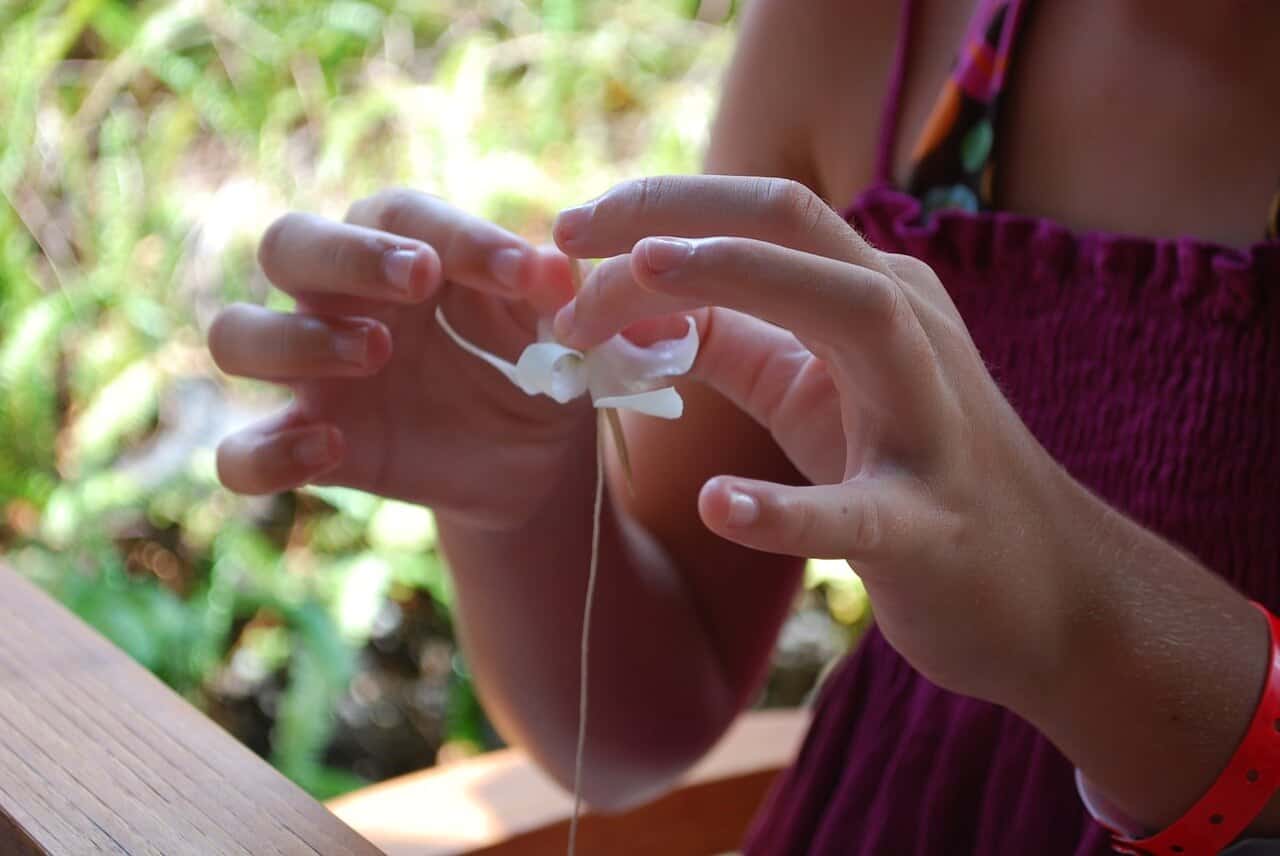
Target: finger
x,y
250,341
303,254
848,310
767,209
769,375
609,301
765,371
276,455
860,521
552,281
473,251
818,299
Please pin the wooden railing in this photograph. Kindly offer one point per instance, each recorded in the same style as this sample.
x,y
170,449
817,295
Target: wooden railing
x,y
98,756
500,804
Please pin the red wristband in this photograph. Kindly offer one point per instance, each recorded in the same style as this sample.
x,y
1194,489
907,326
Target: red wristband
x,y
1243,789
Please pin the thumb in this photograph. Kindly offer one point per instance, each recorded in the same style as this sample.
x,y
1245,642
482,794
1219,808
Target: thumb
x,y
858,520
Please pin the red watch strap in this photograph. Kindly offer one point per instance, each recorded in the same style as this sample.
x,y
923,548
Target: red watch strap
x,y
1242,790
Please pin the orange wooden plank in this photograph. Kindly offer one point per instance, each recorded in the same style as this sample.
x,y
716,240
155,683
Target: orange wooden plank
x,y
98,756
500,804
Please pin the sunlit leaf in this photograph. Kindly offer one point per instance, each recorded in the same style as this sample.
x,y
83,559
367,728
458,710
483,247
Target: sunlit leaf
x,y
120,409
402,526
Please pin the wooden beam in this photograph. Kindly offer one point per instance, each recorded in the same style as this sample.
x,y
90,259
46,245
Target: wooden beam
x,y
98,756
500,804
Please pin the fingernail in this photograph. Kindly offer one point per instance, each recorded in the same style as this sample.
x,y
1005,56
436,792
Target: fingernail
x,y
352,346
665,254
397,265
313,450
572,222
743,509
563,324
507,267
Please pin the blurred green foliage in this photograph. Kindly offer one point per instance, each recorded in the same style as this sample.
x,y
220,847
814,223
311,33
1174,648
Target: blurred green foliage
x,y
145,146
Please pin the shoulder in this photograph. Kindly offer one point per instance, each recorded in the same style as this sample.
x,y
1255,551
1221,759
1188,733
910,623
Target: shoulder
x,y
806,88
835,23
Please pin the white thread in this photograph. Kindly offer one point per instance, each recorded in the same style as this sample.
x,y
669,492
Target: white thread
x,y
507,369
586,641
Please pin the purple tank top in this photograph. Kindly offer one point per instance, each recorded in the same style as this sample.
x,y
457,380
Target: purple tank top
x,y
1151,370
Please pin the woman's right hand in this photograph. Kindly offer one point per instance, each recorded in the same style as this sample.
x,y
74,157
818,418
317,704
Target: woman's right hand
x,y
383,401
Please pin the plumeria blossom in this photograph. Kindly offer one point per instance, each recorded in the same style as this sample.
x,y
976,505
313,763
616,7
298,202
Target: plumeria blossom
x,y
617,374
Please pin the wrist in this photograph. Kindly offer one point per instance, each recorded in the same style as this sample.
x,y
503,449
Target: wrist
x,y
1158,668
1059,592
554,475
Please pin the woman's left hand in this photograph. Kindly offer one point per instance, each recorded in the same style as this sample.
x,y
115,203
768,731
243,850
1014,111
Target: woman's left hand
x,y
859,364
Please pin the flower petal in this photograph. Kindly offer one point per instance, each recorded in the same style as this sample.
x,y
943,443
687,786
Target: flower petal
x,y
620,367
553,370
617,373
664,403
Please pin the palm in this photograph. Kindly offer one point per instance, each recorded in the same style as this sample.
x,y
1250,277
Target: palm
x,y
435,424
780,383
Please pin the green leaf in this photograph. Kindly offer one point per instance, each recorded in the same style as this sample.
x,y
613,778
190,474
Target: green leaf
x,y
402,526
120,410
360,596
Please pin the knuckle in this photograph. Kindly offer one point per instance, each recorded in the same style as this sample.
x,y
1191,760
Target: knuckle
x,y
306,331
266,463
632,198
395,210
621,200
223,333
295,339
791,204
356,255
796,396
272,242
710,252
912,270
602,286
230,463
866,528
358,212
222,463
800,524
882,299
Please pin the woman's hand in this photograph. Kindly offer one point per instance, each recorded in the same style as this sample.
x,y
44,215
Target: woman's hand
x,y
382,400
860,366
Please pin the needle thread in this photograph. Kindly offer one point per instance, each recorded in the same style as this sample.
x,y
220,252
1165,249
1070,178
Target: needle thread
x,y
586,643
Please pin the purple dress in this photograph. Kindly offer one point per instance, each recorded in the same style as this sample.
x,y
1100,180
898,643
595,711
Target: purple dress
x,y
1151,370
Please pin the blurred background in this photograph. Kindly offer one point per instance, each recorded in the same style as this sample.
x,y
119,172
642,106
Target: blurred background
x,y
144,146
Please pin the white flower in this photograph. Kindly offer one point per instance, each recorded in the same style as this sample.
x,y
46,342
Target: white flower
x,y
617,373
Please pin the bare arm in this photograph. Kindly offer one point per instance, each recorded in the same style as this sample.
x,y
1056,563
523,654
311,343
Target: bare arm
x,y
685,621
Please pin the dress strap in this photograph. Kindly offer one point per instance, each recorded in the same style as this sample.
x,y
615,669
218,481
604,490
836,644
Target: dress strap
x,y
954,159
892,114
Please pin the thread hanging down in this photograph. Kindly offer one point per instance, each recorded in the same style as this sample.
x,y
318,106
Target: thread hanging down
x,y
585,646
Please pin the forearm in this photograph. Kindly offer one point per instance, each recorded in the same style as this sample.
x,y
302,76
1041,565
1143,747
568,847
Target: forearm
x,y
659,693
1166,667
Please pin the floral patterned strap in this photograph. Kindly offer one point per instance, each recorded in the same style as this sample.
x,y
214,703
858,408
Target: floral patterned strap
x,y
954,158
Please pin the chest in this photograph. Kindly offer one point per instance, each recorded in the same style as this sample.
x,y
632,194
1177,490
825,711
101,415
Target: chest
x,y
1118,117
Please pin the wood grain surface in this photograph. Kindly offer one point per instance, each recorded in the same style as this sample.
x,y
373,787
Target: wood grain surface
x,y
98,756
